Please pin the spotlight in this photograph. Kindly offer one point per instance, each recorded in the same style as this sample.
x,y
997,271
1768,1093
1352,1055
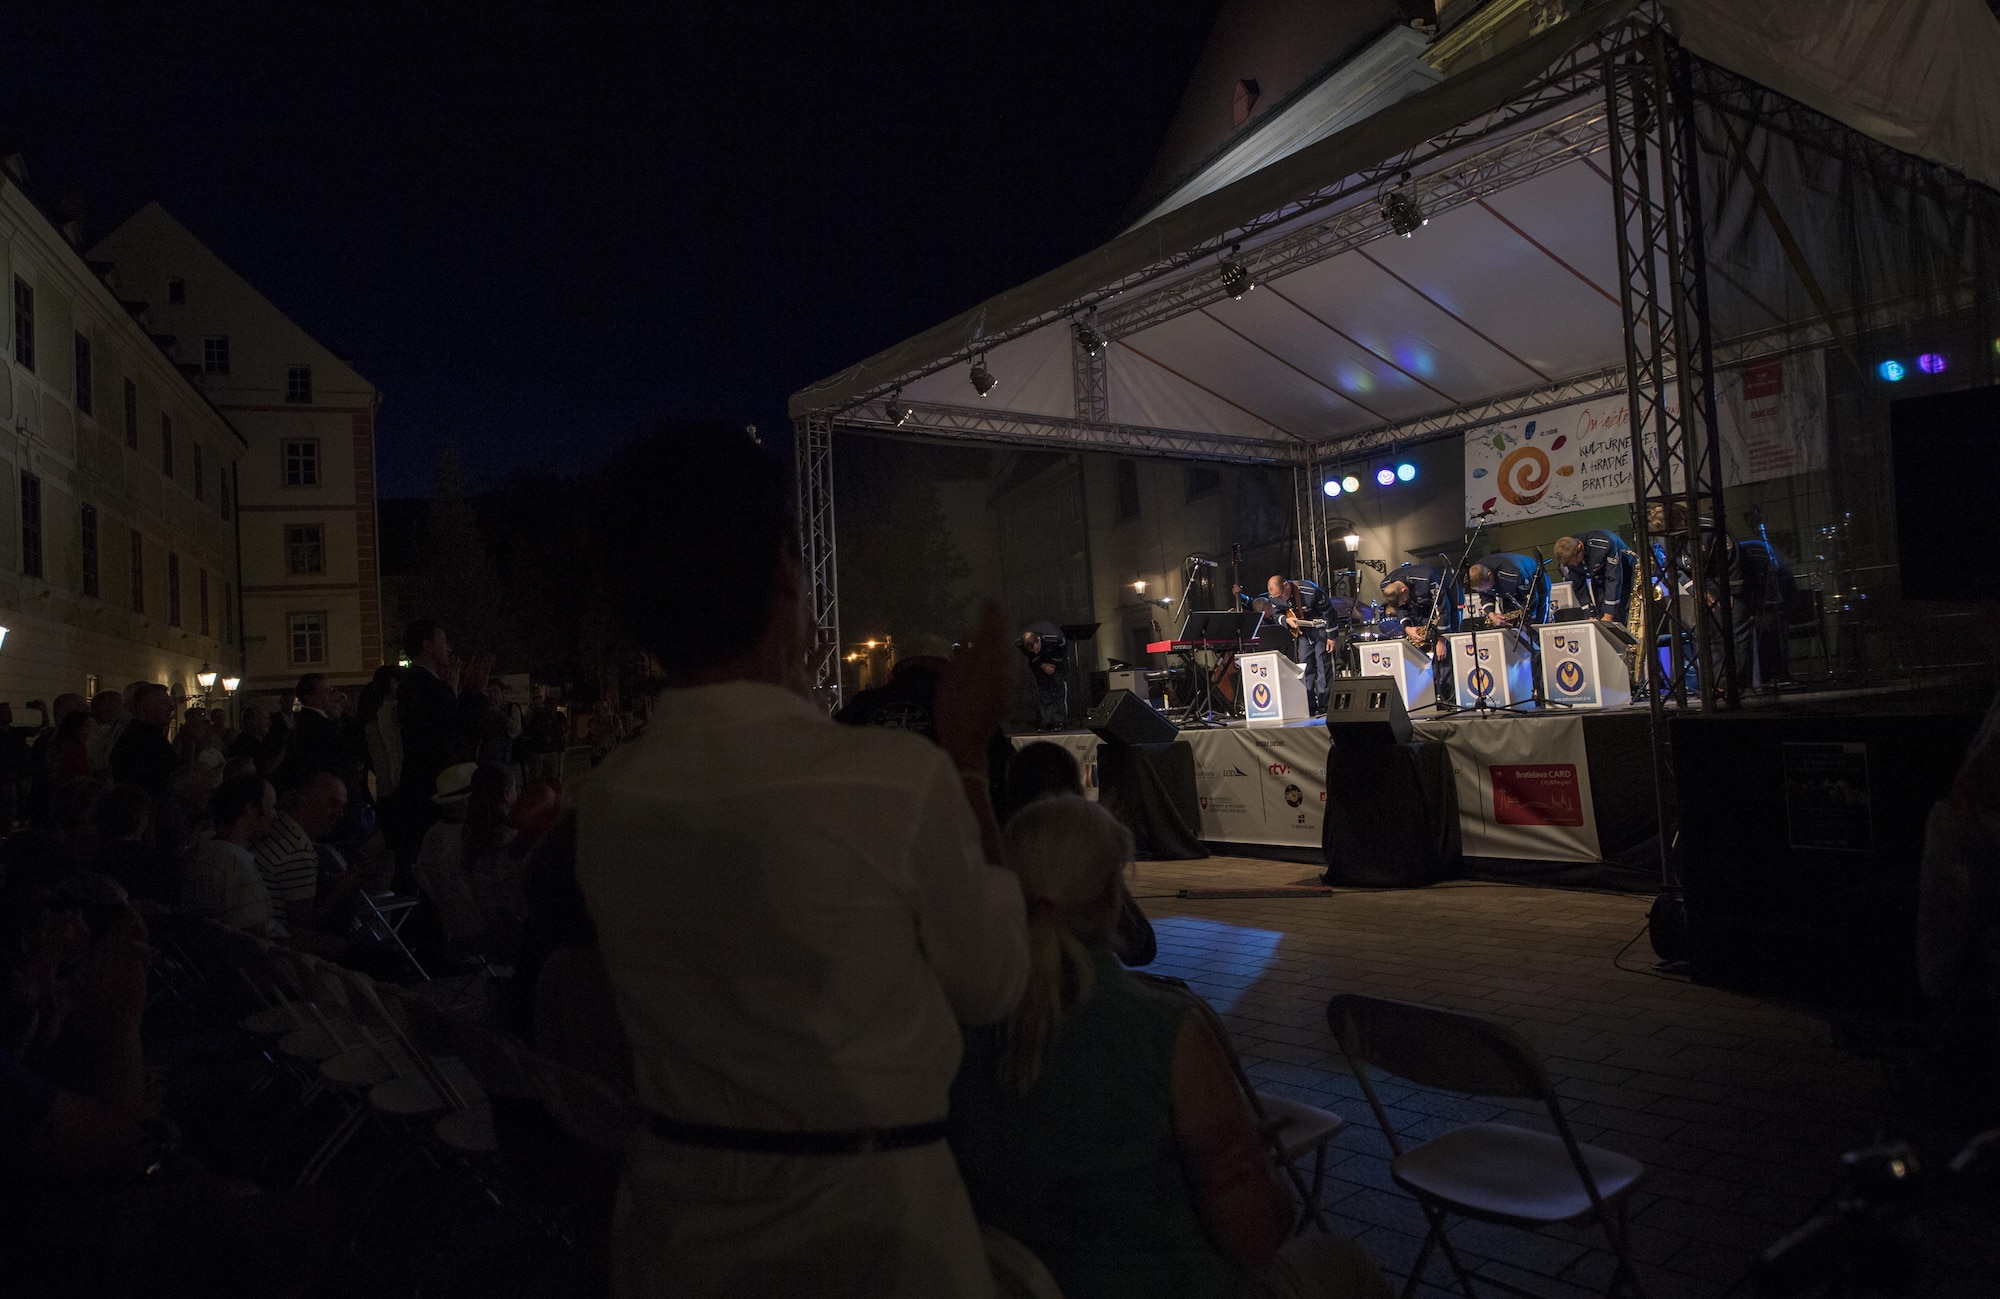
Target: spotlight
x,y
1332,487
1386,476
1931,363
1352,541
983,381
1350,484
1402,213
898,413
1088,338
1235,280
1406,471
1893,371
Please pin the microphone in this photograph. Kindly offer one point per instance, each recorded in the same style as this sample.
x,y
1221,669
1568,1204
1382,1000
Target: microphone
x,y
1205,563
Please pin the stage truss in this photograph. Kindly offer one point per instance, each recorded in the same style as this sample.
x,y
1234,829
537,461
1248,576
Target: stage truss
x,y
1624,94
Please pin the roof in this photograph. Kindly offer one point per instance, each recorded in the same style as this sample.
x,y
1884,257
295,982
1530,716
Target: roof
x,y
1511,287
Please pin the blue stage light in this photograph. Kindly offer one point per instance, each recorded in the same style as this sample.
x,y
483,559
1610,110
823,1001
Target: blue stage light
x,y
1406,471
1350,484
1931,363
1333,487
1891,370
1386,476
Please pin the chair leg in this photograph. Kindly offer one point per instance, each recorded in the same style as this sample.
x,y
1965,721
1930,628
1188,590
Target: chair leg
x,y
1614,1229
1458,1267
1319,1176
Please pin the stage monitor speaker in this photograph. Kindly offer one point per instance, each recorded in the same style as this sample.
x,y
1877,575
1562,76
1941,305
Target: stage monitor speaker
x,y
1124,718
1945,451
1367,712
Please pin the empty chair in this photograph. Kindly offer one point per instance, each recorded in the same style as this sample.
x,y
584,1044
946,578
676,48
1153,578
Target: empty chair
x,y
1494,1172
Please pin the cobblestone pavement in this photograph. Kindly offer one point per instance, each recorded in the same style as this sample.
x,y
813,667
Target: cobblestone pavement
x,y
1739,1107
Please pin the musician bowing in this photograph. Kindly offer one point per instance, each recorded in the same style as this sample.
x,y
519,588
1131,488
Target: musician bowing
x,y
1412,595
1506,590
1600,569
1307,613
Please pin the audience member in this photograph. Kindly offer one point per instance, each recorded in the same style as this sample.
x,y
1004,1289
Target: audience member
x,y
318,743
194,735
439,701
42,755
382,740
218,725
1046,769
440,863
794,915
1102,1126
499,726
143,755
14,764
223,882
71,751
253,739
545,736
107,709
125,849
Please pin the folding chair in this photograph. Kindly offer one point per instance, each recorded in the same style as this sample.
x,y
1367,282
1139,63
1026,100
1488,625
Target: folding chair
x,y
1491,1172
1293,1128
387,914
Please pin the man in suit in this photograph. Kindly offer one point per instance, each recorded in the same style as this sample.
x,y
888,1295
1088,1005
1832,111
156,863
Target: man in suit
x,y
318,741
439,700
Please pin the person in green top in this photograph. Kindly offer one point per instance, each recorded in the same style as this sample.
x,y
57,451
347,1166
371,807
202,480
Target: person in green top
x,y
1102,1127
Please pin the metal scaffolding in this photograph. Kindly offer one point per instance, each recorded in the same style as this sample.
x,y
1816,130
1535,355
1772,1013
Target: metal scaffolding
x,y
812,442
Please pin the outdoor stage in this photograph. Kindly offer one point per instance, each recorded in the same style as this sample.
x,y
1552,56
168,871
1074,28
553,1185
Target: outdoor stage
x,y
1560,797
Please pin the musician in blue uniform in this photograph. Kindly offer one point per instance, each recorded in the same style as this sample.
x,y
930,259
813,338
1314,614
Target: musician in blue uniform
x,y
1043,644
1723,569
1601,569
1768,585
1510,589
1307,612
1420,604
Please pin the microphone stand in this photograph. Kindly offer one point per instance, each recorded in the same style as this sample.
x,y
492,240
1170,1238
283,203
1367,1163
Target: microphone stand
x,y
1431,633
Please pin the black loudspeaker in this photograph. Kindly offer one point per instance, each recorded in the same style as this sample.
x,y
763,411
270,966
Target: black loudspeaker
x,y
1367,712
1124,718
1946,450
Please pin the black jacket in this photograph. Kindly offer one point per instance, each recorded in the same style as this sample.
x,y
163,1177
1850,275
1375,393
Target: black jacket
x,y
440,729
144,757
319,743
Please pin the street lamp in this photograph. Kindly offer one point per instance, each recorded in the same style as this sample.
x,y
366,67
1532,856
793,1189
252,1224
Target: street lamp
x,y
229,684
206,678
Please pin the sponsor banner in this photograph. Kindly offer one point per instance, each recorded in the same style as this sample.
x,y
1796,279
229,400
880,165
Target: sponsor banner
x,y
1264,786
1771,418
1523,787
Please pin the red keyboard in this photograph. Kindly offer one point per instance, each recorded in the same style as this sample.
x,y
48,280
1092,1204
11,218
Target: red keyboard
x,y
1177,646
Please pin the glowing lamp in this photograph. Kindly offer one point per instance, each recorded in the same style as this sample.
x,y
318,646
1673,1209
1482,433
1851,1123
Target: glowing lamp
x,y
1931,363
1352,541
1140,586
206,678
1350,484
3,635
1386,476
1406,471
1332,487
229,684
1892,371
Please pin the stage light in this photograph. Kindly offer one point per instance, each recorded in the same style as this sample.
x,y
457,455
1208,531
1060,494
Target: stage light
x,y
1235,278
1088,338
1402,213
1332,487
1893,371
1350,484
1406,471
898,413
1386,476
1352,541
983,381
1931,363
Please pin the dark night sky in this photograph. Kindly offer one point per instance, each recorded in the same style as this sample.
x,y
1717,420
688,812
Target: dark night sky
x,y
540,235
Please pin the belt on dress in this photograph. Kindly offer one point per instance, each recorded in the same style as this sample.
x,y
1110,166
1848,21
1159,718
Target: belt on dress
x,y
860,1141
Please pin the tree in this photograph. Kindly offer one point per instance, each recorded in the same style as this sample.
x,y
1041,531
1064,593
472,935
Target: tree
x,y
456,581
900,572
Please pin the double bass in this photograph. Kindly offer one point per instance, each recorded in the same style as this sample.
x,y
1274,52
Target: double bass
x,y
1225,662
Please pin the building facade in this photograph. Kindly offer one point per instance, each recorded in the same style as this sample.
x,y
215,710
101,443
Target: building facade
x,y
118,555
311,596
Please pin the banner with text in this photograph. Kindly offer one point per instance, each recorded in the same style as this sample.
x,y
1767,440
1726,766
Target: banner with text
x,y
1771,418
1523,786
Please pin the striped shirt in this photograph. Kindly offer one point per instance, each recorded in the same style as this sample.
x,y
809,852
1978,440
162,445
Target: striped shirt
x,y
289,864
222,883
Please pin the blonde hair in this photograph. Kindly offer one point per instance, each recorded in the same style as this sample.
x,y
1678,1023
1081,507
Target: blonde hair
x,y
1066,851
1568,550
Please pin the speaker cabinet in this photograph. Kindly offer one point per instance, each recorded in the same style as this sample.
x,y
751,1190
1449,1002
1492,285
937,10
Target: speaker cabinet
x,y
1367,712
1124,718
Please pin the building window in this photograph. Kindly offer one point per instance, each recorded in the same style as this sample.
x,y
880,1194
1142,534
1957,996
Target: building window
x,y
222,493
167,445
1128,490
305,548
299,384
83,402
177,292
308,638
31,525
215,354
131,415
228,616
201,585
90,551
173,589
200,475
301,464
138,572
24,323
1203,480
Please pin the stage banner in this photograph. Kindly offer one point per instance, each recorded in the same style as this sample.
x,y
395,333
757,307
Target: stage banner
x,y
1771,418
1264,786
1523,786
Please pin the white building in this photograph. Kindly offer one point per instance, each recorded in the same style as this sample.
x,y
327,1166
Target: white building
x,y
118,554
312,597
